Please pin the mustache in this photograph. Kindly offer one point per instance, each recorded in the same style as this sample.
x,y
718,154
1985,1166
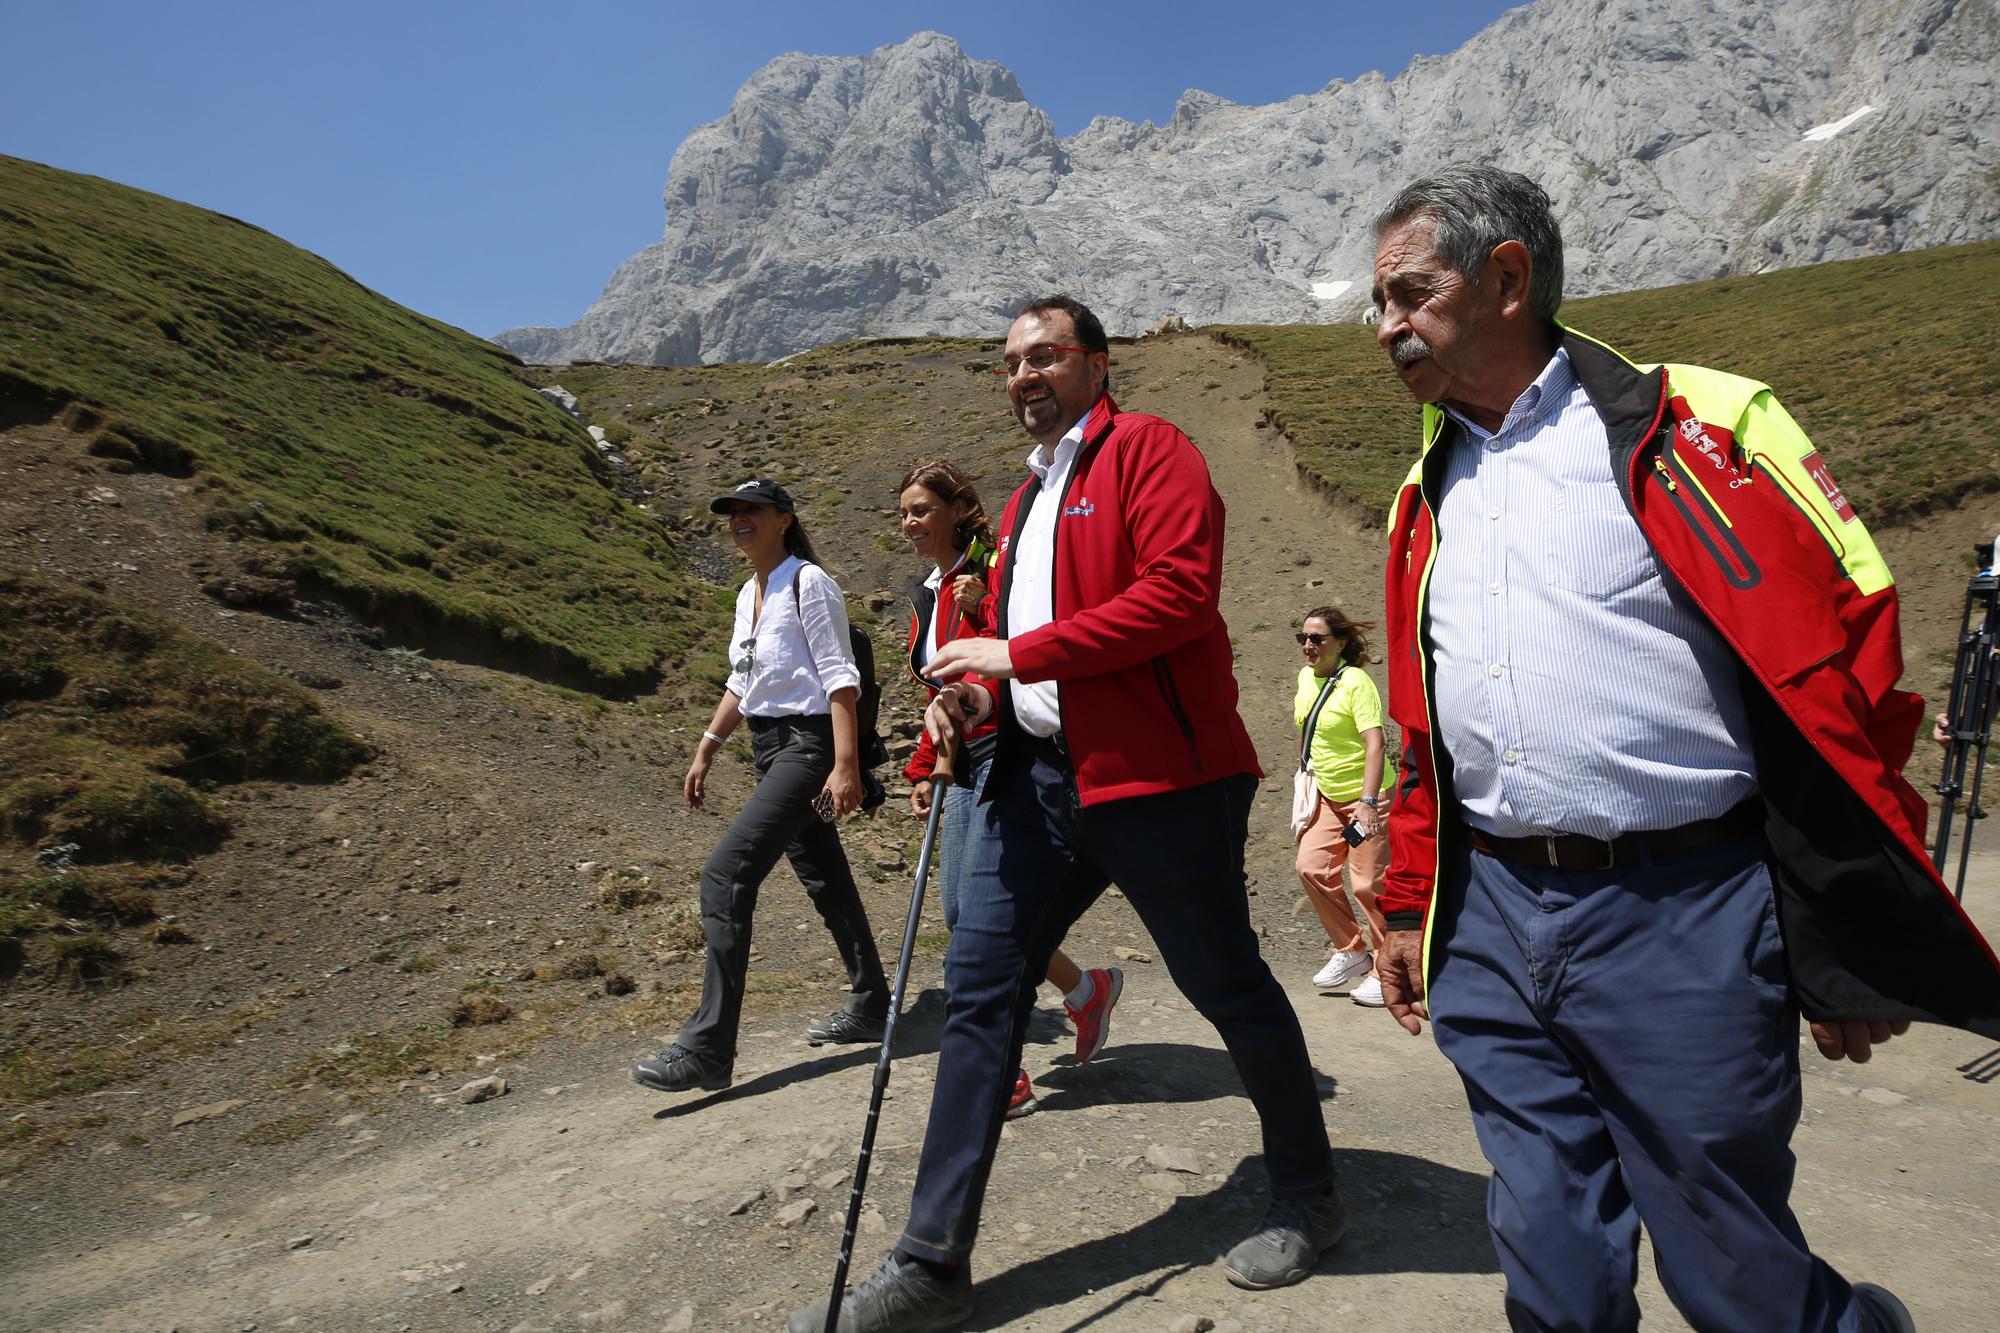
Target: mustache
x,y
1410,347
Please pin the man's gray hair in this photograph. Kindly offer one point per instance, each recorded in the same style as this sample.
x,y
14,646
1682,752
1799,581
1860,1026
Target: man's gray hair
x,y
1475,208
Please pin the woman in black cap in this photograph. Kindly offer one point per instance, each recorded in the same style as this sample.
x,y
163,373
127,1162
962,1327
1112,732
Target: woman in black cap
x,y
793,678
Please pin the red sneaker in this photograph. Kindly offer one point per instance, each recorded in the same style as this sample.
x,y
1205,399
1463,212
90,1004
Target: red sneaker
x,y
1023,1101
1093,1021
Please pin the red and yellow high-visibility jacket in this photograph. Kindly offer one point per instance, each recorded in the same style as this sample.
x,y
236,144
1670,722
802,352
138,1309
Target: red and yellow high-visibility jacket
x,y
1745,520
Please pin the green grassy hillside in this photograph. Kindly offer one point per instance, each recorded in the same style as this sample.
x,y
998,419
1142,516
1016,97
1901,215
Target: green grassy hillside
x,y
1889,363
390,459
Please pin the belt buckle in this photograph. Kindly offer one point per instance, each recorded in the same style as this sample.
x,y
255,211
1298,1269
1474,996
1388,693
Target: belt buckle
x,y
1555,853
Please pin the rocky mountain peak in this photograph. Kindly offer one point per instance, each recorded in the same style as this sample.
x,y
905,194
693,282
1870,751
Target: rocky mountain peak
x,y
916,190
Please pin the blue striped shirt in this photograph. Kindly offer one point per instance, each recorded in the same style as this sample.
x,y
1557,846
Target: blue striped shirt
x,y
1575,694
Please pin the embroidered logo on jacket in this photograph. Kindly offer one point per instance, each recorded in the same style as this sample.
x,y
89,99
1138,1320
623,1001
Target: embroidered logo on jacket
x,y
1713,443
1083,508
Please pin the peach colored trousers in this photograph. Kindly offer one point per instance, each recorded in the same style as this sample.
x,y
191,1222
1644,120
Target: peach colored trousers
x,y
1322,852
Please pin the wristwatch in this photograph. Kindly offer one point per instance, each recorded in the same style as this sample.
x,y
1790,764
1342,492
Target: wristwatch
x,y
1370,801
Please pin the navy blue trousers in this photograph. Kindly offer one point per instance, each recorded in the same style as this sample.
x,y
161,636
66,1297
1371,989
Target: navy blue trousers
x,y
1034,867
1630,1048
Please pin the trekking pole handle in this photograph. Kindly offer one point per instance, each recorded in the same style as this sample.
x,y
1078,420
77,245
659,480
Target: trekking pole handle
x,y
942,771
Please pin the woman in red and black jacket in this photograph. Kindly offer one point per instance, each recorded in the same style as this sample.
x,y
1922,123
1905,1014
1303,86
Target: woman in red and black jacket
x,y
944,521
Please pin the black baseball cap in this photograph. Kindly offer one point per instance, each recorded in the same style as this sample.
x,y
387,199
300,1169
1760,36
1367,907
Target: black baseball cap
x,y
759,492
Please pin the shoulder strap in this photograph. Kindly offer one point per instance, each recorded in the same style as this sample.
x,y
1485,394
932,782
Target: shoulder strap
x,y
799,612
1312,718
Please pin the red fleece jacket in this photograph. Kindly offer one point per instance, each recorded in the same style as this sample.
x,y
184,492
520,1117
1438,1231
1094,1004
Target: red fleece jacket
x,y
1147,682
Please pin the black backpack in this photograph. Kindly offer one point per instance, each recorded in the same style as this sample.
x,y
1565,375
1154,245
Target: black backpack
x,y
872,749
868,704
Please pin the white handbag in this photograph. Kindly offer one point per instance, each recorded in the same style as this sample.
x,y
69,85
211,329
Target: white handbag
x,y
1305,787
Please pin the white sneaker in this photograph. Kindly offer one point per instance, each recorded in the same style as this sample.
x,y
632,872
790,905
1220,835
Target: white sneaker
x,y
1342,969
1369,993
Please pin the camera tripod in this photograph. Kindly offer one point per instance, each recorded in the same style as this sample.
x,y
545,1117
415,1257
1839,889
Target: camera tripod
x,y
1975,680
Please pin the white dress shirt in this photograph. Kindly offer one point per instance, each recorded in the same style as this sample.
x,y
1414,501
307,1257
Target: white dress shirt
x,y
1031,578
796,654
1575,692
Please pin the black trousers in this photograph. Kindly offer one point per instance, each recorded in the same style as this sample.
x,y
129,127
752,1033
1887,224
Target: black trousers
x,y
793,757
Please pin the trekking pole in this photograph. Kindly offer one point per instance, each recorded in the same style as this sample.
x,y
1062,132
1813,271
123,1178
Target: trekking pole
x,y
940,779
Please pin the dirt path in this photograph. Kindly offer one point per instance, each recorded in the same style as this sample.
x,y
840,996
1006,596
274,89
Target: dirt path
x,y
579,1201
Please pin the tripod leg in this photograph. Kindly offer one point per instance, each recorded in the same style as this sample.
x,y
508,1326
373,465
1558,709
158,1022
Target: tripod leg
x,y
1977,735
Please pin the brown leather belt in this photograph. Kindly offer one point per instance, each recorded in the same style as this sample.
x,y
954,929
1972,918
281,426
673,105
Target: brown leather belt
x,y
1573,851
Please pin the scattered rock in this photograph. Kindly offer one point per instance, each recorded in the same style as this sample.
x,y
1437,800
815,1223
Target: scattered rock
x,y
832,1180
872,1221
1164,1182
536,1288
299,1242
483,1089
562,398
790,1185
1173,1159
477,1011
792,1214
1131,955
1191,1323
613,1313
1168,324
619,984
209,1111
746,1203
1882,1096
681,1322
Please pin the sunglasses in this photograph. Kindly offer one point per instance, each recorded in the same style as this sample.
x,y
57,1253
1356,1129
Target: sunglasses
x,y
749,650
1314,639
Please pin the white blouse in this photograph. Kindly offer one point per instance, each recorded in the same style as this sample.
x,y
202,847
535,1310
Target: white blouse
x,y
798,652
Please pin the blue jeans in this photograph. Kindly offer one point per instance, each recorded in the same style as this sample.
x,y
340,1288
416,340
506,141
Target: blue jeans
x,y
957,827
1037,866
1629,1045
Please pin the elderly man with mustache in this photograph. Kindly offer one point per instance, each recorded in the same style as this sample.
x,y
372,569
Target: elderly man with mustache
x,y
1644,656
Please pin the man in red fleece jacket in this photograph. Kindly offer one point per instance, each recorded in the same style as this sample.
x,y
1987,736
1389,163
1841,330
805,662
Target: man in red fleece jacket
x,y
1120,759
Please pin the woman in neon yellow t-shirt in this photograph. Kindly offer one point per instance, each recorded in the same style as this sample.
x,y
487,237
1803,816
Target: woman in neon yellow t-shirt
x,y
1346,755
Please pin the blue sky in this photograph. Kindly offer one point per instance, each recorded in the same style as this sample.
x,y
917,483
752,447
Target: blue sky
x,y
492,163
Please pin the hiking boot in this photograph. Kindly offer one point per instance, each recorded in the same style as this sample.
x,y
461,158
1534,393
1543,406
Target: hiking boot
x,y
1023,1101
902,1296
1093,1020
677,1069
1891,1315
1296,1232
841,1026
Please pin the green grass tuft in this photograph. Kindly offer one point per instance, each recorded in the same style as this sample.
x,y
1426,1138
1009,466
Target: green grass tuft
x,y
112,759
